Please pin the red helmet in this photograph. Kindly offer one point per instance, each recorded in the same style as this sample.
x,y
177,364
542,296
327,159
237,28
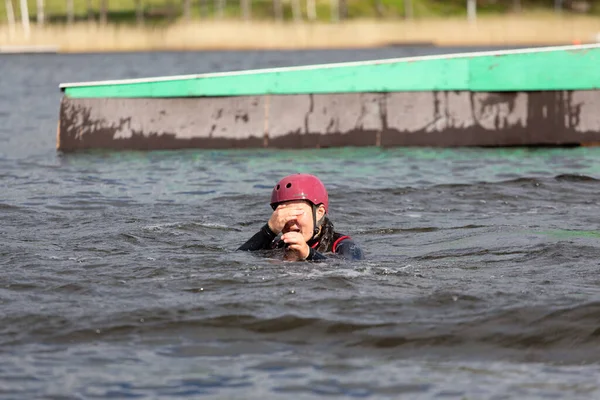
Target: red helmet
x,y
300,187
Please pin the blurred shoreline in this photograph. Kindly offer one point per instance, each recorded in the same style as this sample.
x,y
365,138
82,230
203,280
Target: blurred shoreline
x,y
514,30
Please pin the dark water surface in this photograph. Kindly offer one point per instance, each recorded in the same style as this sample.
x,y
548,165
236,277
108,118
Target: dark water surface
x,y
119,277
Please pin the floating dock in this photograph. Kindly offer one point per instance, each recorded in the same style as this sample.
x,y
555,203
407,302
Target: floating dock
x,y
527,97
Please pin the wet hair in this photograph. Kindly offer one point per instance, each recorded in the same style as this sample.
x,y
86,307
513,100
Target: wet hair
x,y
325,237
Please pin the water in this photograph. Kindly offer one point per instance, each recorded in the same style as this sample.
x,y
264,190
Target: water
x,y
120,277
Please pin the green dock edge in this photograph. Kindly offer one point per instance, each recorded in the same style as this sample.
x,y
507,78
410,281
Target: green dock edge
x,y
571,68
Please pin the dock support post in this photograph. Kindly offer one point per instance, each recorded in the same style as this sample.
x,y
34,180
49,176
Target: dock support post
x,y
25,18
10,15
472,10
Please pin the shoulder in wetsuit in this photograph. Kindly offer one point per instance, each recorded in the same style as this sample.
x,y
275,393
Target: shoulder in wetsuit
x,y
338,244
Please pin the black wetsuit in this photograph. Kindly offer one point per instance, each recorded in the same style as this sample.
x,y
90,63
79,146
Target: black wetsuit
x,y
328,241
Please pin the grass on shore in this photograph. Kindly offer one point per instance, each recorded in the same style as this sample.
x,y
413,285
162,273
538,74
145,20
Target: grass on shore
x,y
162,12
536,29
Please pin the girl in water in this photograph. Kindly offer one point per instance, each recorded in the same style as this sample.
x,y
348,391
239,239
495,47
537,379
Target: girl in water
x,y
300,223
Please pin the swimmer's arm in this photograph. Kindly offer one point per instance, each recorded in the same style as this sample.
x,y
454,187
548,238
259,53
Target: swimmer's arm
x,y
349,250
261,240
314,255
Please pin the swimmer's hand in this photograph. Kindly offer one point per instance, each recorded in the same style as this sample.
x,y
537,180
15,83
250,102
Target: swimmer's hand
x,y
283,214
296,248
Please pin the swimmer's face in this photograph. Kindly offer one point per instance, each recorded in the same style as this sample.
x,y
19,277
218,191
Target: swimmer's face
x,y
302,223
